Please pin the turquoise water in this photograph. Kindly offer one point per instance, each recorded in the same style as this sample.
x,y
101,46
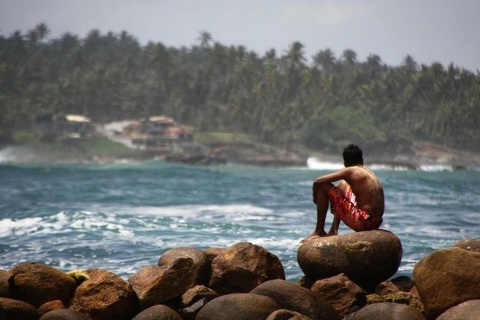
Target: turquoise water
x,y
123,216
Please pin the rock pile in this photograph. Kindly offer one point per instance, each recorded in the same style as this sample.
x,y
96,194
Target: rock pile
x,y
346,277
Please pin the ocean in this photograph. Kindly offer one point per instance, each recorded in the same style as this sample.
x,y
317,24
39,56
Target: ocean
x,y
122,216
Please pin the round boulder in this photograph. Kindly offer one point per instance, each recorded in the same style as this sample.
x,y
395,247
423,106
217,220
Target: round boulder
x,y
388,310
158,312
293,297
366,257
468,310
199,258
64,314
16,309
242,267
105,295
238,306
36,284
447,277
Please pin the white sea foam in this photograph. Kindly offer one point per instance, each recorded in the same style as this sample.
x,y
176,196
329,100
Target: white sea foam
x,y
435,167
18,226
317,164
204,211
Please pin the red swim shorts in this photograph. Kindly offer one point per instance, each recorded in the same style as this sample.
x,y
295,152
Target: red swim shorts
x,y
345,208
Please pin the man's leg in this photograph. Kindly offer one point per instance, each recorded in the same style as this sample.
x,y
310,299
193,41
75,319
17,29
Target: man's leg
x,y
322,202
334,228
343,187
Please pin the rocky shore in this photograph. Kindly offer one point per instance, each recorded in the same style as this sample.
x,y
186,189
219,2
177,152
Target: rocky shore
x,y
420,155
347,277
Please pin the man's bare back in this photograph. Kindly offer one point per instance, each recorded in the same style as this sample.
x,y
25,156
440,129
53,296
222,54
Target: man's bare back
x,y
367,189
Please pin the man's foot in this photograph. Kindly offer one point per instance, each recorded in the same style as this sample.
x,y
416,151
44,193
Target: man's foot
x,y
314,235
332,233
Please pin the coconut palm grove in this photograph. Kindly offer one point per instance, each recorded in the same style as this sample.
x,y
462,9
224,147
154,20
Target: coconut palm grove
x,y
282,98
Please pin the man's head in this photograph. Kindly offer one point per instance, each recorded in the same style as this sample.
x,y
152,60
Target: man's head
x,y
352,156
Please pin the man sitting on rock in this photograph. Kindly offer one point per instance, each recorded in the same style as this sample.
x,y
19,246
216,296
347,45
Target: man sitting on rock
x,y
357,200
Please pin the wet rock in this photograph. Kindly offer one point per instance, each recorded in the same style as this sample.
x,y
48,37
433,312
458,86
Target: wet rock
x,y
105,296
158,284
284,314
158,312
293,297
447,277
65,314
238,306
37,283
343,295
199,258
388,310
468,310
356,255
243,267
16,309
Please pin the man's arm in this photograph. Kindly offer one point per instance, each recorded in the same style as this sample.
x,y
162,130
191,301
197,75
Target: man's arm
x,y
342,174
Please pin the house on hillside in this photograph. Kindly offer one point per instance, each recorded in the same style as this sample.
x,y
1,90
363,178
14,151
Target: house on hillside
x,y
71,126
159,134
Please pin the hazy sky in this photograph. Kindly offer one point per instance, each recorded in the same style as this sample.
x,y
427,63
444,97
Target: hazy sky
x,y
445,31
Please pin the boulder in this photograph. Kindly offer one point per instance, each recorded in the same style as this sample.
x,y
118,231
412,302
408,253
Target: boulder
x,y
284,314
342,294
357,255
243,267
447,277
105,295
468,310
388,310
64,314
36,284
156,285
158,312
49,306
199,258
238,306
293,297
16,309
468,244
4,286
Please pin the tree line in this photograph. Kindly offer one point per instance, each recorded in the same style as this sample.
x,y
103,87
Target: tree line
x,y
279,97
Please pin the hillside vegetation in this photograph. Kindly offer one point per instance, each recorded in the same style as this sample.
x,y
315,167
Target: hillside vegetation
x,y
279,98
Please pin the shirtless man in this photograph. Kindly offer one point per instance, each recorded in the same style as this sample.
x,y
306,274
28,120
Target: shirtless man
x,y
357,200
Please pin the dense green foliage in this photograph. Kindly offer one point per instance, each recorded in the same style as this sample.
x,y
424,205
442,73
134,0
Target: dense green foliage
x,y
279,98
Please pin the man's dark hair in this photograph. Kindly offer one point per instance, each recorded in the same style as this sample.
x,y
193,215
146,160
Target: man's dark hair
x,y
352,155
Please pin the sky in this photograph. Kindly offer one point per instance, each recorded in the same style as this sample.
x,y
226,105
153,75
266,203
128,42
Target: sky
x,y
444,31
